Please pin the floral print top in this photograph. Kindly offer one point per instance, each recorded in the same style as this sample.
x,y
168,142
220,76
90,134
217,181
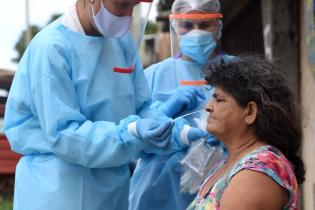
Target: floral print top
x,y
265,159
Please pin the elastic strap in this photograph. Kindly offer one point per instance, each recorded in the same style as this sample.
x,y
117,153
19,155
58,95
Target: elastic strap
x,y
193,82
196,16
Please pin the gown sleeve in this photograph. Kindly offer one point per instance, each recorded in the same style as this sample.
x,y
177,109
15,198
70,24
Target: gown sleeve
x,y
43,115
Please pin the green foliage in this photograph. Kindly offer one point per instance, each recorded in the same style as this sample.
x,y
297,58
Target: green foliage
x,y
20,46
53,18
151,28
6,204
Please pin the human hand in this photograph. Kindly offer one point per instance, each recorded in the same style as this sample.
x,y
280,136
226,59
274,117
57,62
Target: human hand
x,y
156,133
194,134
184,97
213,141
187,134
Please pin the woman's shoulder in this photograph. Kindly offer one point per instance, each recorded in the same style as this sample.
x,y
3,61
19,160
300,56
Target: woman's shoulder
x,y
267,159
272,165
255,190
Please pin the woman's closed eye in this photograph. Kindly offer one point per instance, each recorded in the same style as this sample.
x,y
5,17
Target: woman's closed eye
x,y
217,98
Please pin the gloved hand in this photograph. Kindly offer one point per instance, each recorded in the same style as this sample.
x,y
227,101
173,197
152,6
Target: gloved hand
x,y
184,134
213,141
156,133
191,134
184,97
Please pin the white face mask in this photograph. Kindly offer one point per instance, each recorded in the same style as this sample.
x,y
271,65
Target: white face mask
x,y
110,25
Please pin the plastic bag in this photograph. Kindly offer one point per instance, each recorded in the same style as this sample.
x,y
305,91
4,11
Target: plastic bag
x,y
199,161
201,157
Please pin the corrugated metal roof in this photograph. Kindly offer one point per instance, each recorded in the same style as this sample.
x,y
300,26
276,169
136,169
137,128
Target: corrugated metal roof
x,y
6,78
8,159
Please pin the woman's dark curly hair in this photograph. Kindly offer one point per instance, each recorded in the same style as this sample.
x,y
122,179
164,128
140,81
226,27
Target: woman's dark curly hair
x,y
250,78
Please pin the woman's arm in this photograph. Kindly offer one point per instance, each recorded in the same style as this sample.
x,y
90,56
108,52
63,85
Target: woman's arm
x,y
253,190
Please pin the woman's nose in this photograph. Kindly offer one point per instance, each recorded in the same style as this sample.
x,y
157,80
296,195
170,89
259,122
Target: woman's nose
x,y
209,106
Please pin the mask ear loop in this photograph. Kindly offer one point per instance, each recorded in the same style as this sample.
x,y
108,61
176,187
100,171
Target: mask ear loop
x,y
92,2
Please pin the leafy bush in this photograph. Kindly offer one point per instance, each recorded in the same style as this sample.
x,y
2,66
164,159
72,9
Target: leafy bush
x,y
6,204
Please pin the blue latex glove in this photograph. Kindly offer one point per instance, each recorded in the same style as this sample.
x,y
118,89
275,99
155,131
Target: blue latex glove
x,y
184,97
194,134
184,134
156,133
213,141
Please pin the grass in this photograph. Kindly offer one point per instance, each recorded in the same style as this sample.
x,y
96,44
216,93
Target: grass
x,y
6,204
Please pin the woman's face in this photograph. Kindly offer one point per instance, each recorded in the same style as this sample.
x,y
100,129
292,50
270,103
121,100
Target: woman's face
x,y
225,115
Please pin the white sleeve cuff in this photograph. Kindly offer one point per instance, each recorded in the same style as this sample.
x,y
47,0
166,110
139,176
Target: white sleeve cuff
x,y
184,134
132,128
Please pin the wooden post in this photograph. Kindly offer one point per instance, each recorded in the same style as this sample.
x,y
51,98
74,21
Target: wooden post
x,y
282,36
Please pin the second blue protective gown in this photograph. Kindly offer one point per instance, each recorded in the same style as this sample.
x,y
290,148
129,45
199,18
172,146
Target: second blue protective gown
x,y
65,114
155,183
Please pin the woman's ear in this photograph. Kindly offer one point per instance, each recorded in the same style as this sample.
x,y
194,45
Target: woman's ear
x,y
250,112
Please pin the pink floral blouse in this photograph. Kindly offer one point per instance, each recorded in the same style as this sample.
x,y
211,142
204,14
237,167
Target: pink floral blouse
x,y
265,159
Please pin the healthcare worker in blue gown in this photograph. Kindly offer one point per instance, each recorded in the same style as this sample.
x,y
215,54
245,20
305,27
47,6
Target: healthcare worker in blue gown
x,y
155,183
78,111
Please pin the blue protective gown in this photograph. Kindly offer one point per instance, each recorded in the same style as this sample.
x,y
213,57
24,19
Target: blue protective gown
x,y
155,183
67,114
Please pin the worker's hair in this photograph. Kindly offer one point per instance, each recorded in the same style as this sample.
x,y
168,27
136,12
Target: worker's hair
x,y
83,2
278,123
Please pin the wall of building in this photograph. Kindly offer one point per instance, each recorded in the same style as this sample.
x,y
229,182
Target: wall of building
x,y
308,105
242,28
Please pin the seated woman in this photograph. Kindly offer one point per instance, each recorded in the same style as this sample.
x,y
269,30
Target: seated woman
x,y
254,114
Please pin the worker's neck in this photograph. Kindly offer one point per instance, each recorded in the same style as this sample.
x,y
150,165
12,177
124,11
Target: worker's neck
x,y
86,19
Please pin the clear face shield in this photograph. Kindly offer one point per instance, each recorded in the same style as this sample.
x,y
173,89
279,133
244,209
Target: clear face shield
x,y
194,37
137,28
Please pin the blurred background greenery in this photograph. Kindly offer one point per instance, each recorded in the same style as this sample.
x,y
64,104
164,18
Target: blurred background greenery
x,y
6,204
